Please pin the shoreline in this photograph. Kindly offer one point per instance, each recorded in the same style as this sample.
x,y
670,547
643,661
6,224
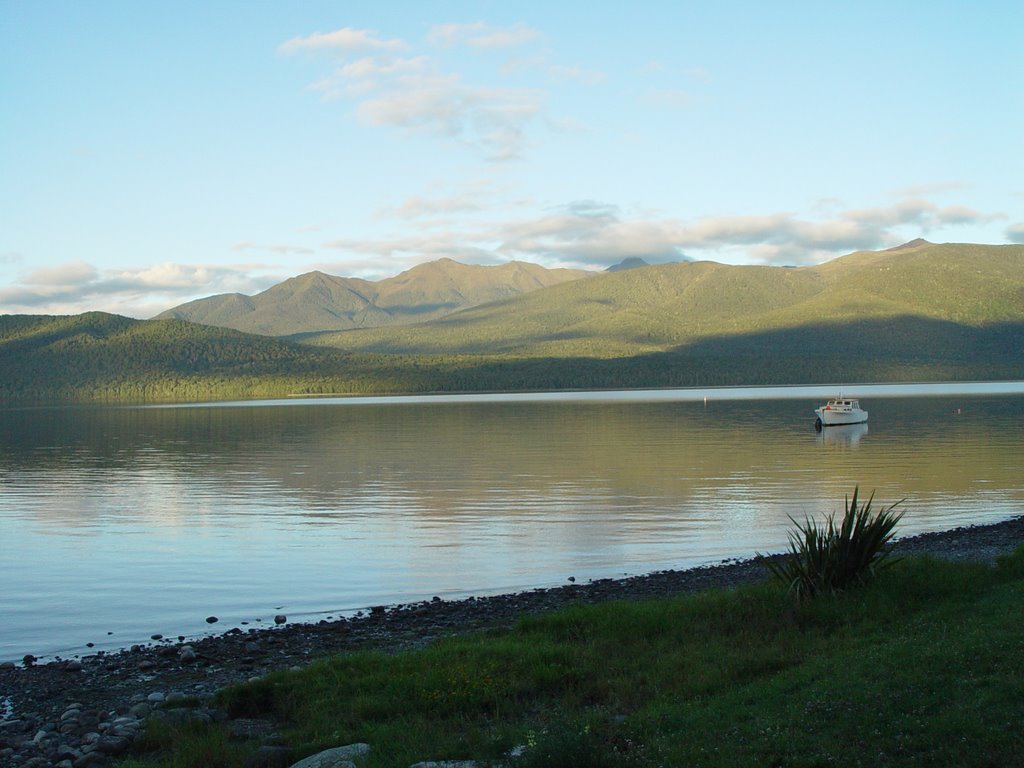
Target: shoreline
x,y
129,685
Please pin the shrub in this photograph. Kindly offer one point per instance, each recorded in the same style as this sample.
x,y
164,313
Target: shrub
x,y
830,559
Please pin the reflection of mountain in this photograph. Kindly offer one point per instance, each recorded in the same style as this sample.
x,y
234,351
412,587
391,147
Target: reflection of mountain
x,y
843,436
469,460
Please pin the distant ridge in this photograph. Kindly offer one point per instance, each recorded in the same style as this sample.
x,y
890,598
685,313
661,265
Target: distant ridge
x,y
317,302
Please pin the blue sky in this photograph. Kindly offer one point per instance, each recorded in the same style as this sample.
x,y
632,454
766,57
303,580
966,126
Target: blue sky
x,y
156,152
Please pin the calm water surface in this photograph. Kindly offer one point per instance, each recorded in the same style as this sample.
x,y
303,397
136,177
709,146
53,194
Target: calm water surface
x,y
116,524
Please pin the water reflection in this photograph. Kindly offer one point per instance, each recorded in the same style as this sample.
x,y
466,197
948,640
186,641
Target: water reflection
x,y
843,435
167,515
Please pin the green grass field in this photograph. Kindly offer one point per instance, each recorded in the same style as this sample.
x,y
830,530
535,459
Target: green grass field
x,y
921,667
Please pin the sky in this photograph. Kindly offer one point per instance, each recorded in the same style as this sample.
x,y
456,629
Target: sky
x,y
156,152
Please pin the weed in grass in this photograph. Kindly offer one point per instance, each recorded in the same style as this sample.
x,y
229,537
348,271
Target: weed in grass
x,y
830,558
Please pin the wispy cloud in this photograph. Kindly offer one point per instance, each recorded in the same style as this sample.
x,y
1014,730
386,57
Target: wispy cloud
x,y
413,93
1015,233
931,188
78,286
595,234
344,40
416,207
578,74
479,34
282,248
674,98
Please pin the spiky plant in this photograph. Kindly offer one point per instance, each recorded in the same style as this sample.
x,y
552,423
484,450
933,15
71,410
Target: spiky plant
x,y
829,559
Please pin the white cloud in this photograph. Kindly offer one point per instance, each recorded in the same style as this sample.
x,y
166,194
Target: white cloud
x,y
1015,233
480,35
594,234
77,286
344,40
493,119
69,273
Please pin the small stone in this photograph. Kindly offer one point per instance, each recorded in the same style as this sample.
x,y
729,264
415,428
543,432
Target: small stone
x,y
146,664
280,618
156,637
28,660
73,666
212,619
187,654
339,757
8,665
140,710
155,698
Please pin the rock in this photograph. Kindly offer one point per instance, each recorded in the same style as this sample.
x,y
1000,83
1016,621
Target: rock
x,y
112,745
187,654
146,664
447,764
28,660
73,666
339,757
155,698
140,710
212,619
280,618
270,757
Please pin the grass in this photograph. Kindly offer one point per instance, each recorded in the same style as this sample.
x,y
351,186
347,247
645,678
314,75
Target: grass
x,y
920,667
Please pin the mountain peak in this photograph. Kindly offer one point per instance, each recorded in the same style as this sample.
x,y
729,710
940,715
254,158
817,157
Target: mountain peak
x,y
917,242
633,262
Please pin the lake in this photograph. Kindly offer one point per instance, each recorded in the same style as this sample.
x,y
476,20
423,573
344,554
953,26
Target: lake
x,y
119,523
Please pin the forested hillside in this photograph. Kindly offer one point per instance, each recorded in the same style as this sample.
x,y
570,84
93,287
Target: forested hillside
x,y
674,306
920,313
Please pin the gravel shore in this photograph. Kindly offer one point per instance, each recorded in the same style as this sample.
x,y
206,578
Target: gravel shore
x,y
85,712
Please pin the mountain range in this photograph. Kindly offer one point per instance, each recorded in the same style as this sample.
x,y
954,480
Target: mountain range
x,y
670,306
316,302
918,312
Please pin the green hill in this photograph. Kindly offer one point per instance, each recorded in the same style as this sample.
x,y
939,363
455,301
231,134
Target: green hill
x,y
673,306
319,302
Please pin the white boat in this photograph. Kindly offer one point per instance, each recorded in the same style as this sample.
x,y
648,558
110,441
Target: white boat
x,y
840,410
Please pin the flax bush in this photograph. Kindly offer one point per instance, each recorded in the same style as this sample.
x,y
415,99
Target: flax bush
x,y
828,559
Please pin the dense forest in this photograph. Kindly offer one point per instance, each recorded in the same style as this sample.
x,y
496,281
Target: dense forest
x,y
106,358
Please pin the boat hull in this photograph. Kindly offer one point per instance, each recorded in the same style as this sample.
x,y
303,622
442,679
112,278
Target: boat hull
x,y
834,418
